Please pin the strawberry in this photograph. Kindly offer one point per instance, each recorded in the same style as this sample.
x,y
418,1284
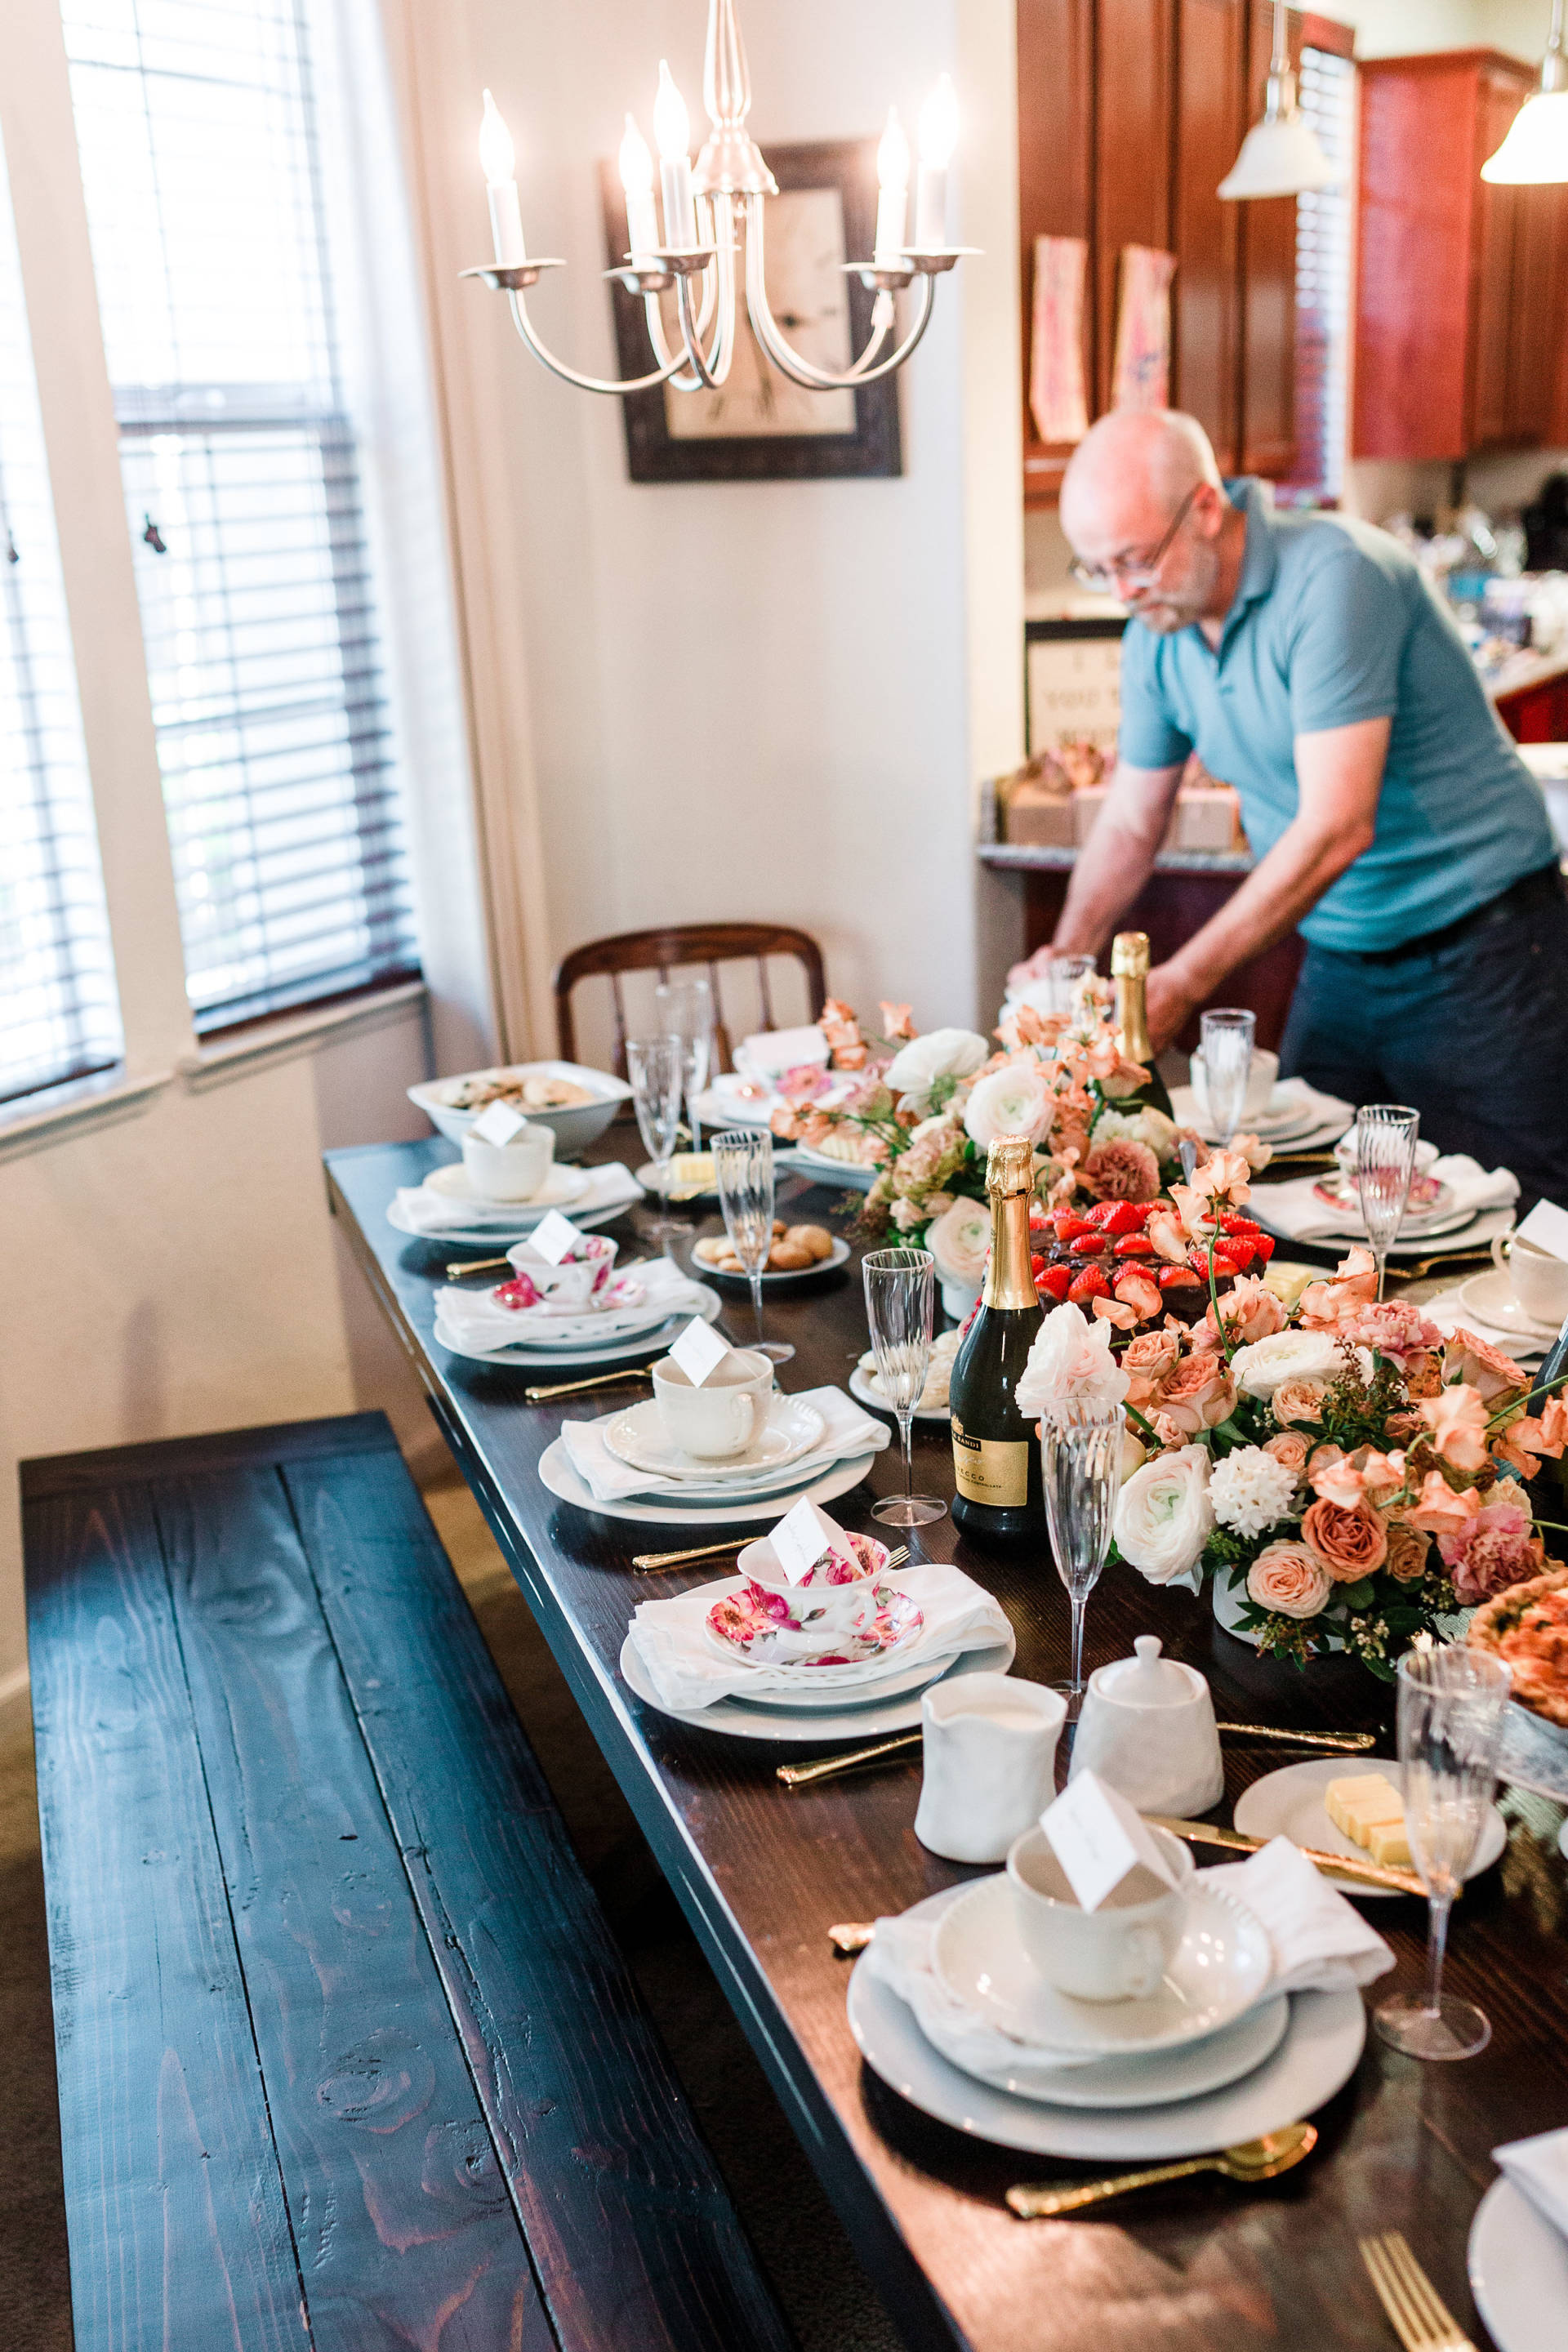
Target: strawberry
x,y
1088,1244
1101,1213
1226,1265
1134,1245
1126,1216
1175,1277
1070,1226
1057,1280
1230,1223
1038,1267
1264,1247
1090,1284
1225,1268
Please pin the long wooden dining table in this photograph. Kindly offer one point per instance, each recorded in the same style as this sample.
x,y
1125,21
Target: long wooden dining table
x,y
762,1874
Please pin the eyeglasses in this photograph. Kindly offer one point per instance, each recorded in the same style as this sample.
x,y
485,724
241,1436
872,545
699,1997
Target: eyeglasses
x,y
1131,572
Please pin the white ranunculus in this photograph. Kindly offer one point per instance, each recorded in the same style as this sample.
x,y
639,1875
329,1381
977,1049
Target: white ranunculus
x,y
1147,1126
1070,1360
939,1053
958,1241
1285,1355
1014,1100
1165,1517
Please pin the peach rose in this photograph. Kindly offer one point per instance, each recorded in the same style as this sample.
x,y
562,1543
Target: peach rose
x,y
1250,1310
1486,1370
1290,1578
1147,1360
1408,1553
1300,1400
1350,1543
1199,1394
1354,1286
1457,1421
1438,1509
1289,1447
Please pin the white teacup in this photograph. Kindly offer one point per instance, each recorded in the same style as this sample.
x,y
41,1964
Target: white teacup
x,y
1260,1080
570,1286
724,1414
1540,1280
509,1172
1117,1953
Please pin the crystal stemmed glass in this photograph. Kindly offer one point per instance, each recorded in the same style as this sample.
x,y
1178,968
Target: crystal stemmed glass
x,y
656,1067
1081,1456
744,1165
684,1009
1451,1704
1385,1137
901,1308
1225,1052
1066,972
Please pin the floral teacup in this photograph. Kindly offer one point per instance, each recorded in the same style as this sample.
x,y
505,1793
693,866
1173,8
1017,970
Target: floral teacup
x,y
839,1596
571,1286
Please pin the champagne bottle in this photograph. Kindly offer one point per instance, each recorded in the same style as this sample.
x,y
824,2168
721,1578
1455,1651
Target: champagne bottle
x,y
995,1455
1129,969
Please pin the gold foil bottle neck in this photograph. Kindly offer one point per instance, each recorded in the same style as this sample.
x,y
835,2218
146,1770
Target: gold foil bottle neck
x,y
1010,1166
1129,969
1129,956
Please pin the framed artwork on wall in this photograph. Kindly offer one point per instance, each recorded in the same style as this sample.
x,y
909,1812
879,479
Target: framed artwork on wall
x,y
758,426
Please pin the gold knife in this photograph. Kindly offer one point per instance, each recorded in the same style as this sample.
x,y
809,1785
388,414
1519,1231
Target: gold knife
x,y
801,1776
575,1388
1336,1743
678,1558
1339,1866
460,1266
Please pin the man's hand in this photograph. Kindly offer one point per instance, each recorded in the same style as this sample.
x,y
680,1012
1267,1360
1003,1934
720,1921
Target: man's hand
x,y
1170,1004
1033,967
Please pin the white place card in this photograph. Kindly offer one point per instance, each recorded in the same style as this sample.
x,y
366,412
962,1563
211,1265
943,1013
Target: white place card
x,y
698,1350
1097,1838
801,1537
1547,1227
555,1238
498,1123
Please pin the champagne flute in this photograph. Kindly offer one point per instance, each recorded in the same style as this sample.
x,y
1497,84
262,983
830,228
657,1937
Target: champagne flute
x,y
901,1308
1386,1136
656,1068
1451,1704
684,1009
744,1165
1080,1459
1225,1051
1068,972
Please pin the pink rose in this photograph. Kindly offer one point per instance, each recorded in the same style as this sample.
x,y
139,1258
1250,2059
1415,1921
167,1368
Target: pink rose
x,y
1291,1579
1147,1360
1407,1554
1496,1549
1289,1447
1199,1394
1350,1543
1485,1368
1249,1311
1300,1399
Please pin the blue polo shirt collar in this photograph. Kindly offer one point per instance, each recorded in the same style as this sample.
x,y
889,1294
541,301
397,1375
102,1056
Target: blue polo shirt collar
x,y
1260,561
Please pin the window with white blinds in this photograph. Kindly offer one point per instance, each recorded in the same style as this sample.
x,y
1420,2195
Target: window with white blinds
x,y
59,1015
203,129
1328,96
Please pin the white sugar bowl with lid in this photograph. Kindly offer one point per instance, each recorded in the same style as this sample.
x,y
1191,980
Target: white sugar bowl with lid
x,y
1148,1728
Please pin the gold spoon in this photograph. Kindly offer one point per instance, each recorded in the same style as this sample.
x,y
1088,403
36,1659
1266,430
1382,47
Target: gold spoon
x,y
1251,2160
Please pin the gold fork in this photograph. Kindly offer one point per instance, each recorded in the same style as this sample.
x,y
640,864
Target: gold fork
x,y
1419,2316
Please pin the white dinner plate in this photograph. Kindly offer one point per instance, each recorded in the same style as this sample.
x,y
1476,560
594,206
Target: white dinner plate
x,y
1490,1296
1220,1967
791,1429
708,1273
1476,1233
1436,1215
799,1160
883,1675
1316,2058
561,1185
557,1475
1289,1803
568,1333
498,1236
1518,2271
860,1388
1185,2073
522,1358
874,1718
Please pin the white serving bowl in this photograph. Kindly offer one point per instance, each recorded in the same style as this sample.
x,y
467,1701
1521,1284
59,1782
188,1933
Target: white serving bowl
x,y
574,1129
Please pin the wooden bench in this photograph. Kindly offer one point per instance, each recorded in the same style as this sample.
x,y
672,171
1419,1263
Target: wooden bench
x,y
347,2056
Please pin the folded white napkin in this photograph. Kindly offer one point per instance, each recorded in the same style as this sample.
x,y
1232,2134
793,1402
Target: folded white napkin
x,y
1320,1942
769,1051
847,1430
671,1639
1293,1210
1540,2168
474,1319
430,1213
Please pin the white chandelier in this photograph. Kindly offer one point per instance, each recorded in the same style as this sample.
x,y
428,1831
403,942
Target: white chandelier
x,y
703,208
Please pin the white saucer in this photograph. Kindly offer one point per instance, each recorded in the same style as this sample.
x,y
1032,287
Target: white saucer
x,y
1317,2057
1185,2073
874,1718
680,1194
557,1475
1221,1966
1289,1803
802,1161
1490,1296
860,1388
524,1358
450,1183
638,1438
497,1236
707,1272
1518,2271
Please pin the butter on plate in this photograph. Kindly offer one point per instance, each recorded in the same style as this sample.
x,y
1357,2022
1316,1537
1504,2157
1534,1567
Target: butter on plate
x,y
1368,1808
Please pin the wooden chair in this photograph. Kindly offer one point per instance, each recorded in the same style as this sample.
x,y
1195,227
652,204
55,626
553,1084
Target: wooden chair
x,y
667,951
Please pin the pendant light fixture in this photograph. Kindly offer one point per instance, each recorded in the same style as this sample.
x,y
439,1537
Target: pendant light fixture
x,y
1280,155
1536,148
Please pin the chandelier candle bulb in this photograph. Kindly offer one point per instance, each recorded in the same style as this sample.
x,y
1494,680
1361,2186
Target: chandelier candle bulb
x,y
893,202
939,137
498,159
637,179
672,128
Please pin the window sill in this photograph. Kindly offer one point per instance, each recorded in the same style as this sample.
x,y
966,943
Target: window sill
x,y
112,1094
292,1033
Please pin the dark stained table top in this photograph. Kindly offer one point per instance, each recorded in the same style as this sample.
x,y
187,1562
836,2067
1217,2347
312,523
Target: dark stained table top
x,y
762,1874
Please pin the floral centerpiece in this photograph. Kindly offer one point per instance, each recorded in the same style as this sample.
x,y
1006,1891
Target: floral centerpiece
x,y
1340,1475
923,1110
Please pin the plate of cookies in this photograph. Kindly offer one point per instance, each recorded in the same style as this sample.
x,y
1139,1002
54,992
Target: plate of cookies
x,y
798,1251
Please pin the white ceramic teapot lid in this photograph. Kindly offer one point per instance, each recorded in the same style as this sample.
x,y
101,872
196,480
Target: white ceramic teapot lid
x,y
1147,1679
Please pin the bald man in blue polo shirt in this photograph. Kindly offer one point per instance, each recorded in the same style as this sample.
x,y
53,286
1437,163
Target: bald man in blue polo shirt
x,y
1306,661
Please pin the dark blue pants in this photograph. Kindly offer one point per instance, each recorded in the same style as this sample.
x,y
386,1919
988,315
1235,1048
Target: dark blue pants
x,y
1473,1035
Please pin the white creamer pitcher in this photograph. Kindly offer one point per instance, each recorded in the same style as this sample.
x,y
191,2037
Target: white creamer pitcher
x,y
1148,1728
990,1744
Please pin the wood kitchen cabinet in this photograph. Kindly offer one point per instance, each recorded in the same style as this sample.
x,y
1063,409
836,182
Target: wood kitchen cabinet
x,y
1461,304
